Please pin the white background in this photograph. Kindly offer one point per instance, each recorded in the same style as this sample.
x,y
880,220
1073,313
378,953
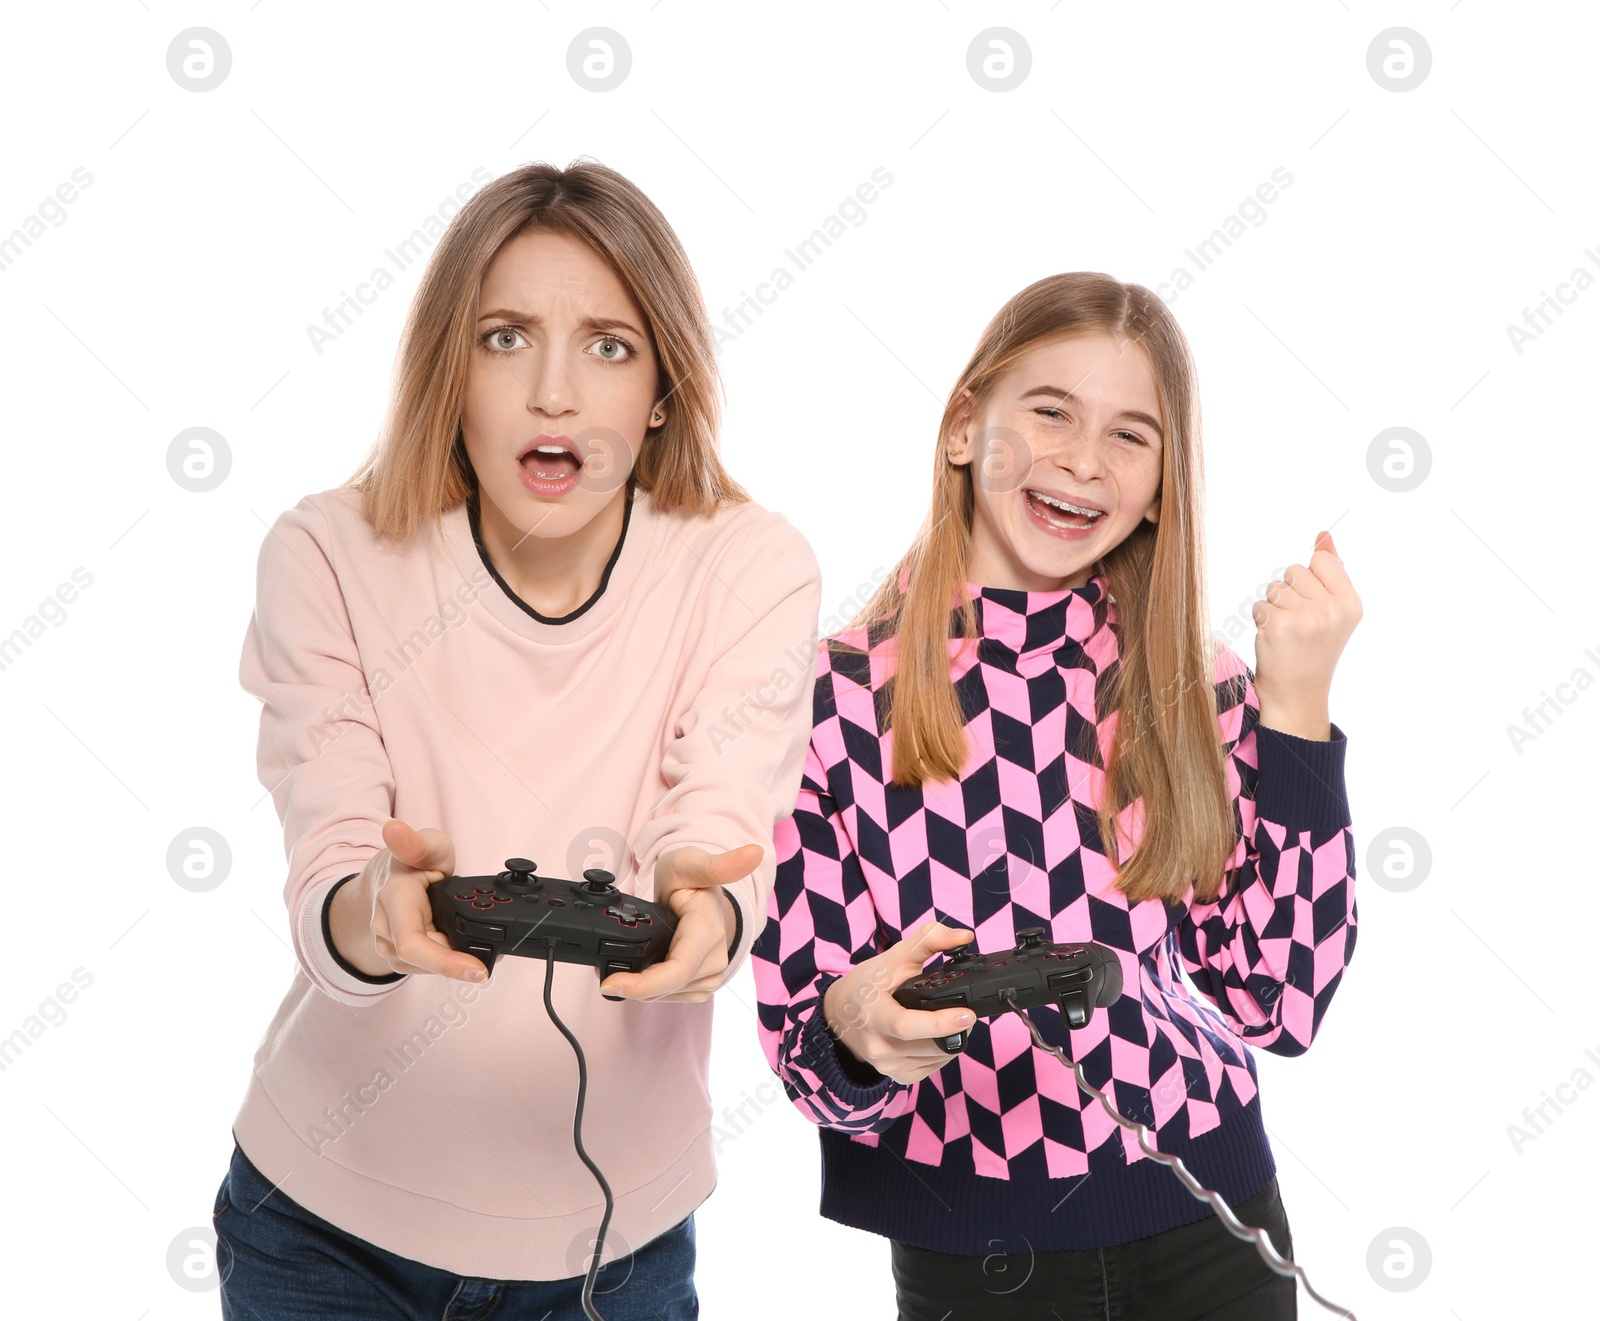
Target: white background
x,y
219,225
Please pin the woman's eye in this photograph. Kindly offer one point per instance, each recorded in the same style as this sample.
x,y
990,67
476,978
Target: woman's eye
x,y
614,350
492,338
1134,436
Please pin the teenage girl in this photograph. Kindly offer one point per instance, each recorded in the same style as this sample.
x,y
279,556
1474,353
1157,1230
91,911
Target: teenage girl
x,y
543,621
1027,727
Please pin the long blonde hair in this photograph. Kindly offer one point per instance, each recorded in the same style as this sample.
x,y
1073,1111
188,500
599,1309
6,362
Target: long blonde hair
x,y
1167,752
418,467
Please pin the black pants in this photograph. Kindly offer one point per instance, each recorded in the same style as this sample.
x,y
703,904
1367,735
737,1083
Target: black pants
x,y
1196,1272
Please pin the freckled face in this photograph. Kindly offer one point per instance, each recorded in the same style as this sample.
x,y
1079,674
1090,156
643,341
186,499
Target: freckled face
x,y
1074,421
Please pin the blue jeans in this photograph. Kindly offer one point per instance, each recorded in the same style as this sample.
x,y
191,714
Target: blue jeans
x,y
279,1262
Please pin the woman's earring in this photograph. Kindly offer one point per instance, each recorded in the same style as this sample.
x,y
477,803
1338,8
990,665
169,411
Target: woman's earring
x,y
655,417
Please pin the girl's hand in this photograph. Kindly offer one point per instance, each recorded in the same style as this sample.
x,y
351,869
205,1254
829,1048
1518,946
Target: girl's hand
x,y
1301,628
688,881
877,1029
382,921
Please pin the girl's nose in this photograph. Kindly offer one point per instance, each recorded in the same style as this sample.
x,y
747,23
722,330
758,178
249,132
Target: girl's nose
x,y
1079,452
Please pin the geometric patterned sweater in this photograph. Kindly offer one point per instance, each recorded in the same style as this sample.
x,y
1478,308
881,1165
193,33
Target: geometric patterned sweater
x,y
994,1152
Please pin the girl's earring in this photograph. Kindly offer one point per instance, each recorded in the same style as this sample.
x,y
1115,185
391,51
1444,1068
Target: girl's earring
x,y
655,417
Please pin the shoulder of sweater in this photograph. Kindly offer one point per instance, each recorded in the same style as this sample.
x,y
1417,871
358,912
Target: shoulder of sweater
x,y
324,534
742,528
340,511
743,550
342,501
848,680
298,543
324,514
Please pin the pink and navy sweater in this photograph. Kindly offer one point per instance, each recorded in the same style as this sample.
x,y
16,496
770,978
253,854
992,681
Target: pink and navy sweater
x,y
998,1146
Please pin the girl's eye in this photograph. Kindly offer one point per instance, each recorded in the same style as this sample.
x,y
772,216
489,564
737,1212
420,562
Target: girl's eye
x,y
489,335
623,349
1056,415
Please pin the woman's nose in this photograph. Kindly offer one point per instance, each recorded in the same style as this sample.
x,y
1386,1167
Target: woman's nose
x,y
550,385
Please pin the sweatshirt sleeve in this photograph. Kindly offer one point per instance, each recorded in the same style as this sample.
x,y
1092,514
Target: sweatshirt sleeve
x,y
1270,951
732,765
820,922
320,751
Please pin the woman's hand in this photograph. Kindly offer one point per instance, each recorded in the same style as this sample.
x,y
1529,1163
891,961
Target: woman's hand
x,y
877,1029
382,921
689,882
1301,628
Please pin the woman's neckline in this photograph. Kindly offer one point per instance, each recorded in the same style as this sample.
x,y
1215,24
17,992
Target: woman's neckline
x,y
605,576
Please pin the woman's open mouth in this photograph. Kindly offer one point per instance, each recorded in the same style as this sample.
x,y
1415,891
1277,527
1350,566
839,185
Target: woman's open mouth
x,y
550,469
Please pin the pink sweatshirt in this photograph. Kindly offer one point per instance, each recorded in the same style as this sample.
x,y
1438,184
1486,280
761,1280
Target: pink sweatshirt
x,y
434,1117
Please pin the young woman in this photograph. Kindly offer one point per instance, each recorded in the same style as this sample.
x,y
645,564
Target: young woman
x,y
1027,727
543,621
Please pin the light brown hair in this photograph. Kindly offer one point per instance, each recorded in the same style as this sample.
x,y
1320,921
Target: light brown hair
x,y
1168,749
418,467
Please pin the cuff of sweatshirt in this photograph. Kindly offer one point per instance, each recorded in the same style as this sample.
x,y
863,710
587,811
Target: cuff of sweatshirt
x,y
1300,781
742,895
327,967
738,930
841,1074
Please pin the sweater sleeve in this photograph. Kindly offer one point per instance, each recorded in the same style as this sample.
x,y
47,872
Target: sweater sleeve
x,y
732,766
320,751
821,921
1270,951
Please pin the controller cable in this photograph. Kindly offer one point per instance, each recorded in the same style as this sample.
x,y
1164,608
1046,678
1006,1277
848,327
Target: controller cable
x,y
1269,1254
577,1133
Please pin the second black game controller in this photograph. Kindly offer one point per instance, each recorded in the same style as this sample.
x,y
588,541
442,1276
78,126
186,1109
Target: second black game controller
x,y
1077,977
517,911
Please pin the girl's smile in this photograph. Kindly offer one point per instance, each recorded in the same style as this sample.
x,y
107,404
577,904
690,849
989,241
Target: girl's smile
x,y
1061,515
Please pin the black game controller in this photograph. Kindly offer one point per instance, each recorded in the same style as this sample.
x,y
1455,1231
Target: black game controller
x,y
1078,978
521,912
